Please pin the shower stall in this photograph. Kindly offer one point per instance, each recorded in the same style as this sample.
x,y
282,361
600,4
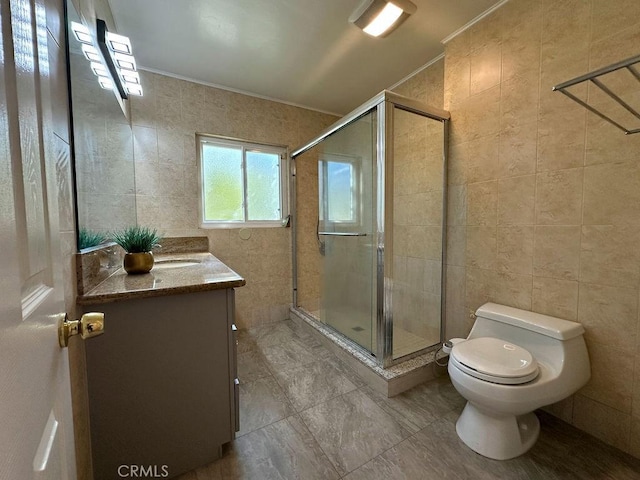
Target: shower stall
x,y
368,226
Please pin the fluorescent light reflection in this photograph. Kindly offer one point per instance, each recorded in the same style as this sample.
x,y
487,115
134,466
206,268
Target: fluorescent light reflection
x,y
105,83
99,69
91,53
81,32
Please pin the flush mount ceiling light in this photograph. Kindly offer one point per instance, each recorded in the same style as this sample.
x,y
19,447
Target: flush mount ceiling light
x,y
379,18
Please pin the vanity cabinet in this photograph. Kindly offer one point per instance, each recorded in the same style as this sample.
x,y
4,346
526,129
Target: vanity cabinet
x,y
162,383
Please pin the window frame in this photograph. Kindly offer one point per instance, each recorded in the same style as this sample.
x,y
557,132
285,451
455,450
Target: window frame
x,y
246,145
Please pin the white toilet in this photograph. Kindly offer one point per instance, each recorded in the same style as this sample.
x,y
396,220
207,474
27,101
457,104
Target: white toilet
x,y
513,362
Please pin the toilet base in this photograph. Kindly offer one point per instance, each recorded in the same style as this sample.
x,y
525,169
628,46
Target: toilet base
x,y
500,437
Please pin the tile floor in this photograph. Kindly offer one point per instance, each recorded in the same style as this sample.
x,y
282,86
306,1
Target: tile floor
x,y
304,415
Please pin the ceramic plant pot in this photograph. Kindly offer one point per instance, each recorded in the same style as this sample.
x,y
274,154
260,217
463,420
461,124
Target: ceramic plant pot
x,y
135,263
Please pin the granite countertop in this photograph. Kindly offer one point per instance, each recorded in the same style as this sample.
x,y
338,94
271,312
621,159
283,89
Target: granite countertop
x,y
171,274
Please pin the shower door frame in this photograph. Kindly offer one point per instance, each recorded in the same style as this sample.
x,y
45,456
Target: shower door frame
x,y
384,104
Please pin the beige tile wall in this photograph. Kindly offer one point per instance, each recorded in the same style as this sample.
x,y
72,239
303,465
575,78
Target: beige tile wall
x,y
165,121
417,205
544,197
417,300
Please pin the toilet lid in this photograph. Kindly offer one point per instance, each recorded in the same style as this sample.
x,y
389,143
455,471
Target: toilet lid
x,y
495,360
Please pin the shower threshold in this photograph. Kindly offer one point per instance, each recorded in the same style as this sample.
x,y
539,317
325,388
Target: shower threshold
x,y
388,381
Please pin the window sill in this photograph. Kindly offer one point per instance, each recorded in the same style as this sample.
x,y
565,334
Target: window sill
x,y
230,225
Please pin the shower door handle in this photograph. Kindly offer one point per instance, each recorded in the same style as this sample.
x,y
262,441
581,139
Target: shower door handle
x,y
342,234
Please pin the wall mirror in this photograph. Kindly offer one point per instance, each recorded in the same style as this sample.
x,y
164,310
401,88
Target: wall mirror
x,y
102,142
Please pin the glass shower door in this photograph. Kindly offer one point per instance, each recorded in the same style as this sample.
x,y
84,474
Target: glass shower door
x,y
346,230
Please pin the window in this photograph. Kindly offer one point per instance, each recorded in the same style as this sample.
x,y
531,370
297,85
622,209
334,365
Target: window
x,y
338,189
242,183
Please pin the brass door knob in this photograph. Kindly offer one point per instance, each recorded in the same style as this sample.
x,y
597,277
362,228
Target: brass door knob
x,y
89,325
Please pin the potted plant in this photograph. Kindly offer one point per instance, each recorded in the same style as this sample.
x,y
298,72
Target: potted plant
x,y
138,242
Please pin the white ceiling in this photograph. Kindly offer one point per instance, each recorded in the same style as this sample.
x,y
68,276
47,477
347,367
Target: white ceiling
x,y
303,52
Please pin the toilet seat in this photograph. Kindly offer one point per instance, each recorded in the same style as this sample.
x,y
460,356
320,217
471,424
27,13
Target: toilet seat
x,y
495,360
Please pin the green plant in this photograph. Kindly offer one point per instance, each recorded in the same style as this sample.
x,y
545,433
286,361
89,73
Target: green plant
x,y
136,239
88,238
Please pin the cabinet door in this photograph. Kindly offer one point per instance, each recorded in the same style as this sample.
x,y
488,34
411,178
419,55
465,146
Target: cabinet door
x,y
159,387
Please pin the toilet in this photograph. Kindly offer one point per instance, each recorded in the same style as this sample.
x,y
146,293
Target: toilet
x,y
513,362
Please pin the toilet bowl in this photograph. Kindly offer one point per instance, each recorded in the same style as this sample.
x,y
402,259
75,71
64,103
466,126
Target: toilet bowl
x,y
513,362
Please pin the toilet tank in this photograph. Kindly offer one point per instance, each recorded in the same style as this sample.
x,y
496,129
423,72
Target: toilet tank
x,y
550,339
535,322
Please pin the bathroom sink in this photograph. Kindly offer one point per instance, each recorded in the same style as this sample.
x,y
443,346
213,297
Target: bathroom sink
x,y
175,263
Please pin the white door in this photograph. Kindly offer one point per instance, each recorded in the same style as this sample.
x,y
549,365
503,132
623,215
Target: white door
x,y
36,431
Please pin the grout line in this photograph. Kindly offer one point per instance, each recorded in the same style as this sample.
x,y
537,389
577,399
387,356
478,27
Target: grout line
x,y
317,441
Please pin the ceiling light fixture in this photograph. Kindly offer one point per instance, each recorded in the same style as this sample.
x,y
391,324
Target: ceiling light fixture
x,y
379,18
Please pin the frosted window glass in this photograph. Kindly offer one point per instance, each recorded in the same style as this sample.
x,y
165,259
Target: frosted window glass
x,y
242,182
340,192
223,185
263,186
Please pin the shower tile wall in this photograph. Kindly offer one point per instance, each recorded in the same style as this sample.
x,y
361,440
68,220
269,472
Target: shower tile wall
x,y
417,204
544,198
165,121
417,233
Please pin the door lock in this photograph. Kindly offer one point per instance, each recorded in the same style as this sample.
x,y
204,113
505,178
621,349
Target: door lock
x,y
90,325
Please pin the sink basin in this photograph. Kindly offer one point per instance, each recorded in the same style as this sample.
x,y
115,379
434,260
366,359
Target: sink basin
x,y
177,263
